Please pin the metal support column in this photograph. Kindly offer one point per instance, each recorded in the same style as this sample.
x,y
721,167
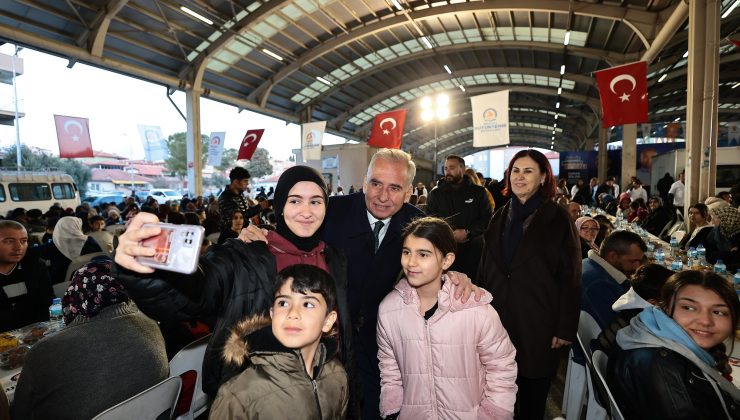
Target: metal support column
x,y
710,99
629,154
195,171
601,159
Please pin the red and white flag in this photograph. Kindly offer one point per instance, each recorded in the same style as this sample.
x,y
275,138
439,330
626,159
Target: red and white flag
x,y
623,92
387,129
73,134
249,143
735,39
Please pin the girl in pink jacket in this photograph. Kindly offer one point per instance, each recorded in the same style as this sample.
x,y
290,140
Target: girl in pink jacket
x,y
440,358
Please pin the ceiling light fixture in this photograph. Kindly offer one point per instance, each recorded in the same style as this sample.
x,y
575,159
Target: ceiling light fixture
x,y
735,85
662,77
557,105
397,5
560,90
426,42
272,54
447,69
567,38
562,69
686,54
196,15
462,88
322,80
728,11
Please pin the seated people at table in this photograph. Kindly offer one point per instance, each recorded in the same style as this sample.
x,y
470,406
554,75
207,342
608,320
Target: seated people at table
x,y
646,283
98,232
289,374
107,353
608,203
671,361
25,289
699,217
574,209
237,223
723,240
68,242
638,212
604,276
51,223
624,205
114,217
239,275
587,228
658,216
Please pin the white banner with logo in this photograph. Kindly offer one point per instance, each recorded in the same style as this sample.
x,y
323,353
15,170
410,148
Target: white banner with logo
x,y
216,148
311,135
491,119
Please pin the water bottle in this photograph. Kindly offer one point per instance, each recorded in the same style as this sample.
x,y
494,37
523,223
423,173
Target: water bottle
x,y
650,250
660,257
55,311
677,264
720,267
691,255
701,254
736,281
674,246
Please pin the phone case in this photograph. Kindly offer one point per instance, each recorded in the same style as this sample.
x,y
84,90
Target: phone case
x,y
178,247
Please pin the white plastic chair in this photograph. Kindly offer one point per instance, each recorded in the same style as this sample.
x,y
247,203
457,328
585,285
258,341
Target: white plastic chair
x,y
679,234
213,237
187,359
601,360
148,404
574,393
588,329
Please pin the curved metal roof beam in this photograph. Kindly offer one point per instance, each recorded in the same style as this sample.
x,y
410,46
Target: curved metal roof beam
x,y
466,148
613,58
591,101
537,133
642,22
95,37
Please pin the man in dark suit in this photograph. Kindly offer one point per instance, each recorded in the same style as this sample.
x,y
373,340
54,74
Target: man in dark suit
x,y
367,226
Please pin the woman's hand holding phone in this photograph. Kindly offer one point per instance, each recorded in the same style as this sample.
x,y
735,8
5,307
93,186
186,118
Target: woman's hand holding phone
x,y
129,244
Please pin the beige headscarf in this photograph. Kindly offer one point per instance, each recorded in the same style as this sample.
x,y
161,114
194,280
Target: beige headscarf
x,y
68,236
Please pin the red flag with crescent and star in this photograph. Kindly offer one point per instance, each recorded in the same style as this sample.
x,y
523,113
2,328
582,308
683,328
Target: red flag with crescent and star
x,y
623,92
387,129
73,135
249,143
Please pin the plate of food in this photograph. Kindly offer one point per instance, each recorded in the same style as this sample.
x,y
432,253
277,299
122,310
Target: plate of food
x,y
8,341
13,358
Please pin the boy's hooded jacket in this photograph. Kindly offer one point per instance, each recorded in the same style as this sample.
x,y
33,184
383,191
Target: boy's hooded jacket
x,y
276,385
458,364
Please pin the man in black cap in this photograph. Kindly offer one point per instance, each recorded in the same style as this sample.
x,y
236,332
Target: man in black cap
x,y
232,198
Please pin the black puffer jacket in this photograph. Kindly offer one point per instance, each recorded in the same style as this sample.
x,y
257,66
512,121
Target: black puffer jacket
x,y
235,281
656,383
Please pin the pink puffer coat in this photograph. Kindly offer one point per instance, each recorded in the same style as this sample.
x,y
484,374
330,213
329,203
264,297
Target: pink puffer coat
x,y
457,365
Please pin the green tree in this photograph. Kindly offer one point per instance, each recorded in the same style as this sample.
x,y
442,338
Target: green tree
x,y
228,160
259,166
42,162
178,162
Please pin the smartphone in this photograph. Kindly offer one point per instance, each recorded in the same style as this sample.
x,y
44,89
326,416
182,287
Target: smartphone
x,y
178,247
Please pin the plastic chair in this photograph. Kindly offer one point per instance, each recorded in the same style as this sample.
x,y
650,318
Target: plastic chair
x,y
588,330
574,393
148,404
601,360
679,234
190,358
213,237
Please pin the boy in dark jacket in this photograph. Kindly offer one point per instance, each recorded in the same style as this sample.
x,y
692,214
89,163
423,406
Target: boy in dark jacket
x,y
293,372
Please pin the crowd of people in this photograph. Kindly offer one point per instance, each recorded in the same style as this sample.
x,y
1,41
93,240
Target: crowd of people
x,y
401,300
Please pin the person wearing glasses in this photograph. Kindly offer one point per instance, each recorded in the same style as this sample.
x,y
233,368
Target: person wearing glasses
x,y
587,228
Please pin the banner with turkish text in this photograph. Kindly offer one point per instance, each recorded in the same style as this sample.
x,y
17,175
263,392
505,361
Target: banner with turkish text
x,y
155,145
249,143
216,147
387,129
623,93
73,134
491,119
311,135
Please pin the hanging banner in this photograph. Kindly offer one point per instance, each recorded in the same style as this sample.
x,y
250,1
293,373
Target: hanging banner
x,y
249,143
73,135
216,147
491,119
311,135
155,145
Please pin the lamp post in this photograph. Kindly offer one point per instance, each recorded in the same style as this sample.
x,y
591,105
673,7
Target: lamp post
x,y
435,110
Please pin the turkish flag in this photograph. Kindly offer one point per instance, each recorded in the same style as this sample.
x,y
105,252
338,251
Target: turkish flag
x,y
387,129
73,134
623,92
249,143
735,39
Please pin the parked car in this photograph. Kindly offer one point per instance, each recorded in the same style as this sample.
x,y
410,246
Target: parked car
x,y
141,196
163,195
105,199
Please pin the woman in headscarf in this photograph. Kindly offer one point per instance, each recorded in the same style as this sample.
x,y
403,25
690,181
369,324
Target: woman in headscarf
x,y
723,240
532,267
68,242
110,352
240,275
587,229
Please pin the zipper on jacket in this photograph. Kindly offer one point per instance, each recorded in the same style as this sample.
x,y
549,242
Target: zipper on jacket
x,y
431,367
316,395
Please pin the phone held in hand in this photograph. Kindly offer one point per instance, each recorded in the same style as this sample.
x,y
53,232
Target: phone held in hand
x,y
178,247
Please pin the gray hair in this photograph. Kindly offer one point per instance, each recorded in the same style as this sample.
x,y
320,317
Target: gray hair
x,y
394,156
11,224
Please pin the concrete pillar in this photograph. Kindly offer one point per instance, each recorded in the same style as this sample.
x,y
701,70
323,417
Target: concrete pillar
x,y
701,101
629,154
195,171
601,158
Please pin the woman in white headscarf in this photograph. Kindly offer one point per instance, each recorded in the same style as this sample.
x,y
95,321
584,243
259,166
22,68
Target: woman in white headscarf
x,y
68,242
